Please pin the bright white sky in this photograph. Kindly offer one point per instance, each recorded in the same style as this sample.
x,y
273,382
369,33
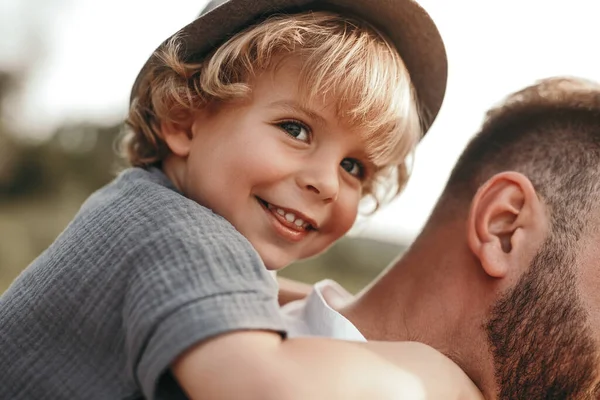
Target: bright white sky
x,y
94,49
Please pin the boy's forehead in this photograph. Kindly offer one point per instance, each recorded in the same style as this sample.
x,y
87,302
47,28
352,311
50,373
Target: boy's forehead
x,y
288,89
282,86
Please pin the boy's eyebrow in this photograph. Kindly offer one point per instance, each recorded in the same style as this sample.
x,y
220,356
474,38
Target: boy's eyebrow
x,y
297,107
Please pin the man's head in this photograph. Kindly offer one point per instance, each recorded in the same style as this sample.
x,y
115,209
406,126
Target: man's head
x,y
528,186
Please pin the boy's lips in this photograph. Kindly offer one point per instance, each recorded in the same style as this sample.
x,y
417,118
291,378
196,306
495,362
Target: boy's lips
x,y
288,223
291,216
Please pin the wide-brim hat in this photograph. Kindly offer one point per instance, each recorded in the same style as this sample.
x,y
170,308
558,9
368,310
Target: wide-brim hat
x,y
405,22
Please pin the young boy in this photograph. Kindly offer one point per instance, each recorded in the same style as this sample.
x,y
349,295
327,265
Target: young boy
x,y
251,154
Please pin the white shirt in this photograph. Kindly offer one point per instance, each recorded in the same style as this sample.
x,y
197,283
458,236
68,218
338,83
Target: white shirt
x,y
315,316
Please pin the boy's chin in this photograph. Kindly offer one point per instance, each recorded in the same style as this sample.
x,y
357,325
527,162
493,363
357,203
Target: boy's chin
x,y
274,267
275,264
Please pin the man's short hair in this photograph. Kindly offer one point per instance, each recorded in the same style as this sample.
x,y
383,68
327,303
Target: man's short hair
x,y
550,132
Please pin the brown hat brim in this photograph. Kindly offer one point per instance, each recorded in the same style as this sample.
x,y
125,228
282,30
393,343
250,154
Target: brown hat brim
x,y
408,25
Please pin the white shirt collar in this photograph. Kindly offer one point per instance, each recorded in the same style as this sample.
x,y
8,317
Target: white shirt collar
x,y
314,316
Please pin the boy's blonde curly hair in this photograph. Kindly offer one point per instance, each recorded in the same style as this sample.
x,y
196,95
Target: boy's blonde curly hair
x,y
343,58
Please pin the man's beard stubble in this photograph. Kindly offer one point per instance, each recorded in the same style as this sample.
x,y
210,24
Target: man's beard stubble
x,y
538,334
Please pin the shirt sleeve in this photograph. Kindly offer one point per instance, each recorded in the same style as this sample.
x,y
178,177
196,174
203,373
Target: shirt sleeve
x,y
190,283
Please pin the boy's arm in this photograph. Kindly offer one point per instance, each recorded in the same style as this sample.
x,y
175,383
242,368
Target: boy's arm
x,y
260,365
441,376
180,294
290,290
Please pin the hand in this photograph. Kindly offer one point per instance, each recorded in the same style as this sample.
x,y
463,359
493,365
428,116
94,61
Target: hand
x,y
290,290
335,295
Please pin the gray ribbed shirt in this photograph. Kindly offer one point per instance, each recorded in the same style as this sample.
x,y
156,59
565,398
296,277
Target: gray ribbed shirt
x,y
139,275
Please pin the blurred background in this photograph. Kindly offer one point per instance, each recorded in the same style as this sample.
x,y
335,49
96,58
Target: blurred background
x,y
66,68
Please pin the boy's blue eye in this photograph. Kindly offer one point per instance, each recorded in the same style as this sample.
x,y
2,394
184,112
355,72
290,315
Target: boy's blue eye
x,y
353,167
296,130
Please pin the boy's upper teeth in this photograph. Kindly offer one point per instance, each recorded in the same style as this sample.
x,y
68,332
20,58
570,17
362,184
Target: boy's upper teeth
x,y
291,217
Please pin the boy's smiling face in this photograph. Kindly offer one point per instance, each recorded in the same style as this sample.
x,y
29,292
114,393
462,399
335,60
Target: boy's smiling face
x,y
287,175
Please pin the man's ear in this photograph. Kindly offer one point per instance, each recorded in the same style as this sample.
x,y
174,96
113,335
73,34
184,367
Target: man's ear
x,y
178,135
507,223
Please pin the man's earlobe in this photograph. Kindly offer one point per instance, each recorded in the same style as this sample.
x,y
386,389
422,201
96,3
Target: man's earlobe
x,y
505,215
177,136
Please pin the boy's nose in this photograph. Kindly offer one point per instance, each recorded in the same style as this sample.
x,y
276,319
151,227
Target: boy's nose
x,y
321,181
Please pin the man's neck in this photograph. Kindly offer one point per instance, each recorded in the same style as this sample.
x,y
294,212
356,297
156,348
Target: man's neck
x,y
422,298
402,304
